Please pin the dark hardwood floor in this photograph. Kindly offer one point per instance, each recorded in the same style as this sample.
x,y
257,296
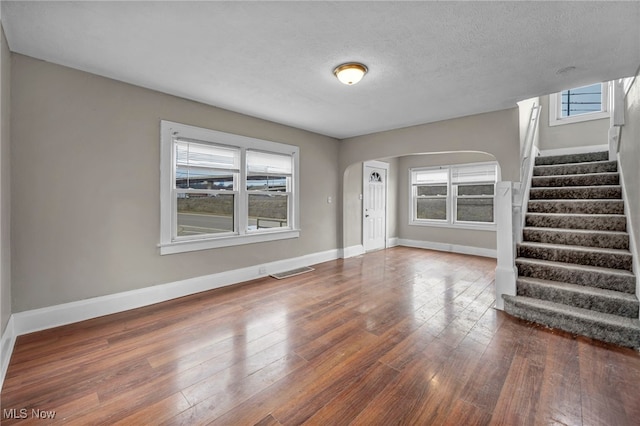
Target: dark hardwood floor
x,y
400,336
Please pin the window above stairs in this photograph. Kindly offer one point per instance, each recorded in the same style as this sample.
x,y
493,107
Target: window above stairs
x,y
579,104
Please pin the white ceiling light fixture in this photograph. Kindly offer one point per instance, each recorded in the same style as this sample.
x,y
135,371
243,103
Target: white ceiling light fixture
x,y
350,73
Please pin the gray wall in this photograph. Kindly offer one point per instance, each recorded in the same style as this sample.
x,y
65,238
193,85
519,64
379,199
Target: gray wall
x,y
5,187
352,213
496,133
585,133
630,157
472,238
85,187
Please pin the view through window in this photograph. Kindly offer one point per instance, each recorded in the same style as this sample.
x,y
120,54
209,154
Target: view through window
x,y
581,100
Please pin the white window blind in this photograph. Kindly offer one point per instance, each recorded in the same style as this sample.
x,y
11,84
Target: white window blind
x,y
201,155
431,176
268,163
473,174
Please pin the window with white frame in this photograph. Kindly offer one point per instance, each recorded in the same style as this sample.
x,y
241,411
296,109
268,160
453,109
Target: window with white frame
x,y
456,196
579,104
431,194
220,189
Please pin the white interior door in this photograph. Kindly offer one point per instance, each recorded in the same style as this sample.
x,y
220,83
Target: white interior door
x,y
374,227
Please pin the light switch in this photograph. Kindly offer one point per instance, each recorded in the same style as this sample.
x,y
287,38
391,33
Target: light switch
x,y
329,200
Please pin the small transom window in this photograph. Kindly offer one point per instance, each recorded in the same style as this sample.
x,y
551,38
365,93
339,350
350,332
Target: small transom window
x,y
578,104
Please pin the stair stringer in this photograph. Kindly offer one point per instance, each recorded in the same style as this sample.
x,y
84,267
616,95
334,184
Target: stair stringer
x,y
633,247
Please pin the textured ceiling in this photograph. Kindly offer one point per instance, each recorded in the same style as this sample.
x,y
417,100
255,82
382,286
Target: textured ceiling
x,y
428,61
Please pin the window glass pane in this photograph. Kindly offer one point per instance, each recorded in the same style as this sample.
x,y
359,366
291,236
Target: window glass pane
x,y
432,190
201,178
476,189
191,154
475,209
268,211
431,176
204,214
582,100
375,177
268,183
262,162
431,208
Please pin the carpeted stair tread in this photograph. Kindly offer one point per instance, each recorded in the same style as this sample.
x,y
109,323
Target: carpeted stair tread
x,y
572,158
575,168
609,328
575,270
576,192
586,275
593,256
591,206
591,179
600,222
597,299
577,237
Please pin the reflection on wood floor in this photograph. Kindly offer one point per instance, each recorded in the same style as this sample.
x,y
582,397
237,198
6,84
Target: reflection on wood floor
x,y
399,336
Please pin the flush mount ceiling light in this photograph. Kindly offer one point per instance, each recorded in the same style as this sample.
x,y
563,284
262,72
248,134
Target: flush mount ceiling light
x,y
350,73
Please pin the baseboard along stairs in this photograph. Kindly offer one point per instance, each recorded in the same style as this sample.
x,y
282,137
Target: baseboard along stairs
x,y
574,264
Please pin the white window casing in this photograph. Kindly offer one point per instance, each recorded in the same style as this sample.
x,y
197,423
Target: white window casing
x,y
207,170
473,183
430,193
557,117
437,194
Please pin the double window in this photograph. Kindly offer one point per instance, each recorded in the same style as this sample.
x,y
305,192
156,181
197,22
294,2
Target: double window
x,y
220,189
457,196
578,104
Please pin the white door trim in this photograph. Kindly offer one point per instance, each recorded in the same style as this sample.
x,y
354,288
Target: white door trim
x,y
365,182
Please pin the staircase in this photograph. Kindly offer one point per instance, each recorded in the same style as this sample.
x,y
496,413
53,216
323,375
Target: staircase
x,y
574,264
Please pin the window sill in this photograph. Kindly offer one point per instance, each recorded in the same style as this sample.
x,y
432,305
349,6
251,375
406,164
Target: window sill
x,y
578,118
468,226
235,240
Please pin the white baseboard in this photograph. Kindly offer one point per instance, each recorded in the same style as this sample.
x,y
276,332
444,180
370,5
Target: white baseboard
x,y
392,242
7,342
452,248
67,313
574,150
352,251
